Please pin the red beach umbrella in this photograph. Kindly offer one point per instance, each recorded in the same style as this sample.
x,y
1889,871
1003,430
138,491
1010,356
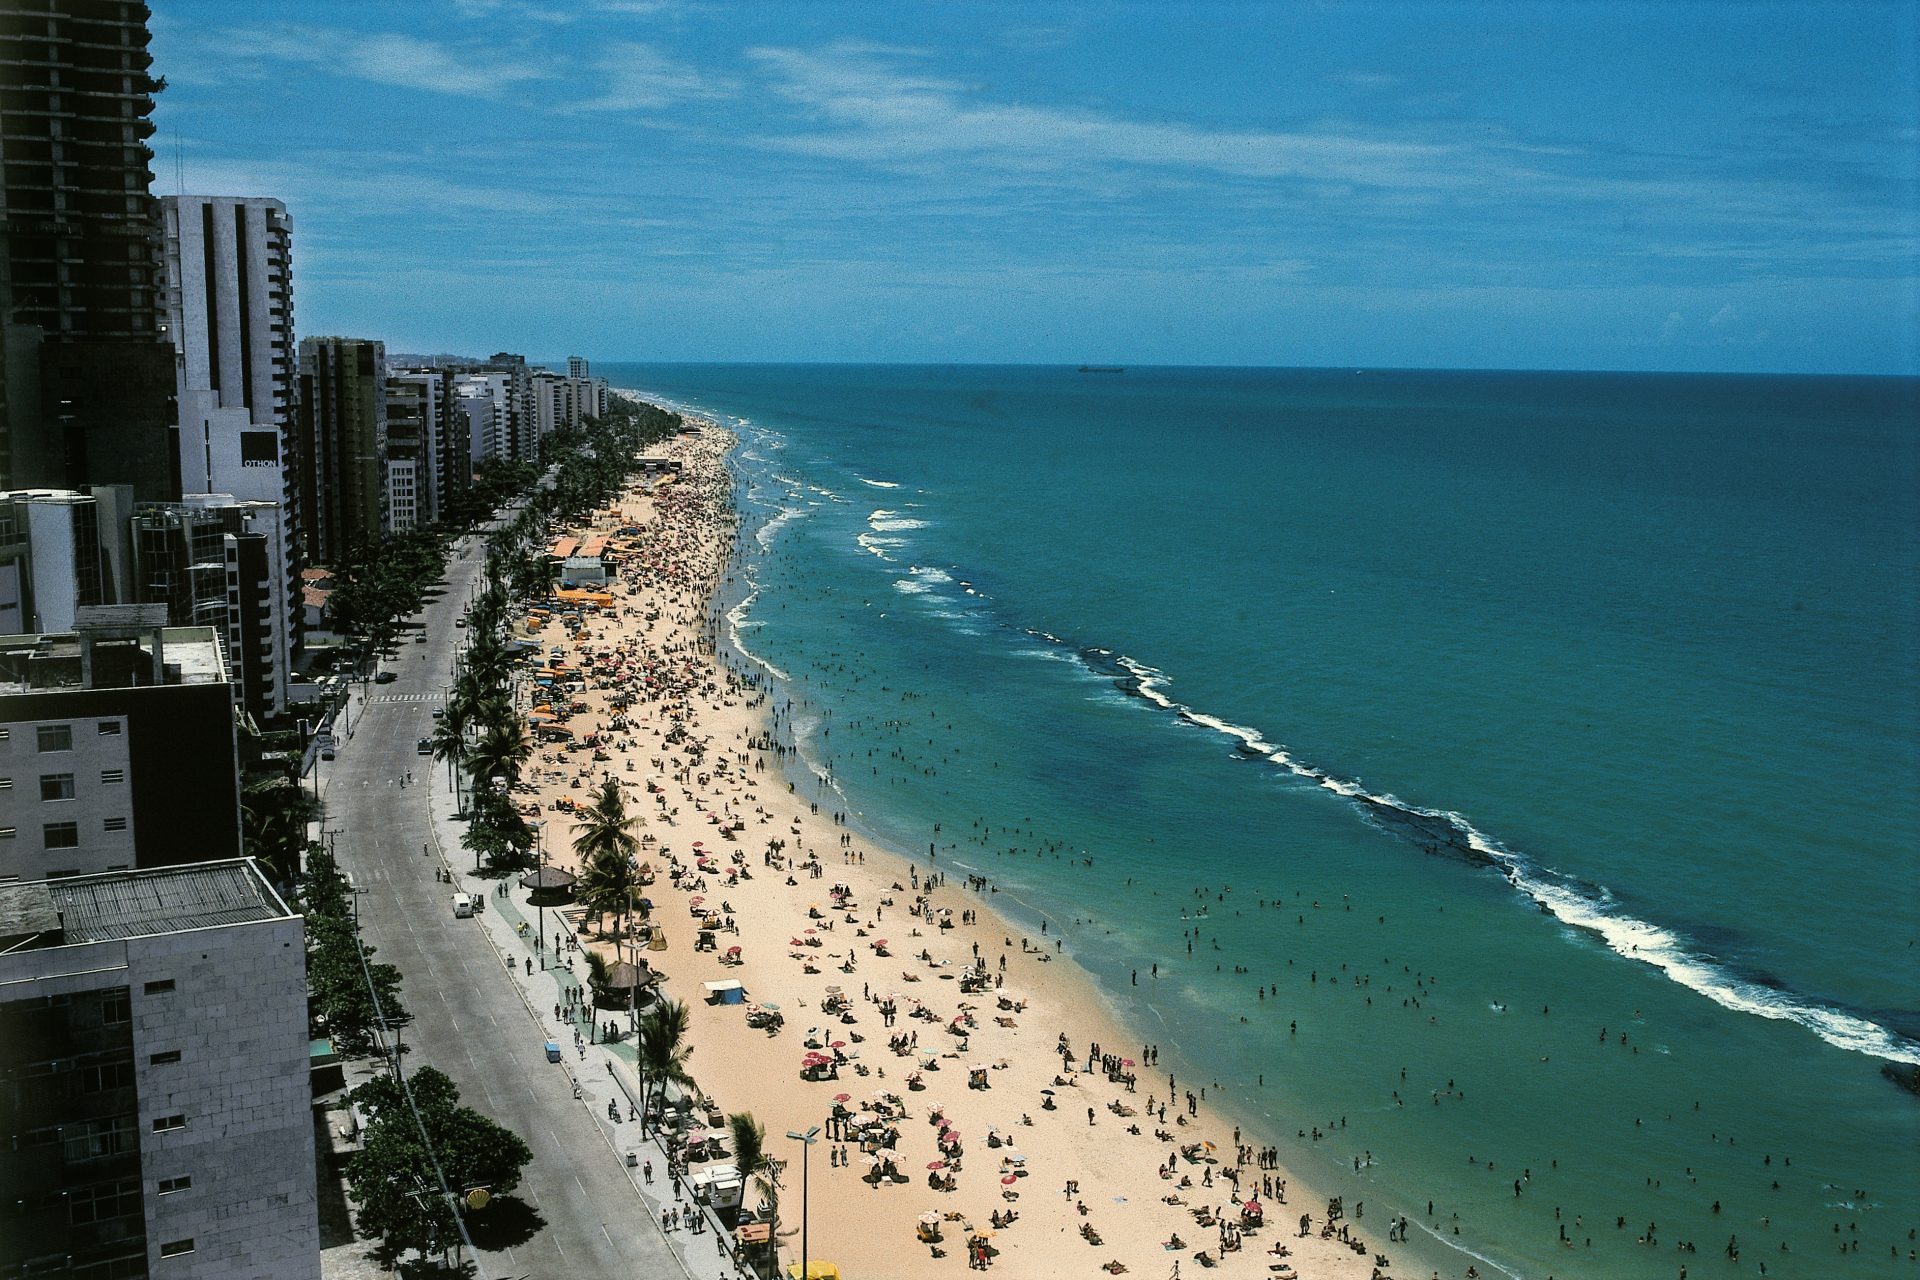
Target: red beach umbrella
x,y
936,1164
1009,1180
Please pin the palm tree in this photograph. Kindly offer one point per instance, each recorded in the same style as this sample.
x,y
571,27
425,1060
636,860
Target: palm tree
x,y
449,746
502,751
661,1051
599,973
750,1157
606,828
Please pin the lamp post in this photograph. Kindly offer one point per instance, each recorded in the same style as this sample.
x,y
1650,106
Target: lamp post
x,y
806,1141
499,786
540,854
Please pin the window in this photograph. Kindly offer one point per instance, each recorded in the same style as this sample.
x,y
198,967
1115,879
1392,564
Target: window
x,y
164,1058
95,1139
159,987
56,737
170,1185
111,776
102,1077
116,1007
163,1124
103,1202
56,786
109,728
115,824
174,1248
61,835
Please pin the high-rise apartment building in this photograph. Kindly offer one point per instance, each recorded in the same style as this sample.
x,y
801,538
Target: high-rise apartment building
x,y
518,437
155,1111
576,366
60,551
341,437
87,382
117,746
216,561
229,304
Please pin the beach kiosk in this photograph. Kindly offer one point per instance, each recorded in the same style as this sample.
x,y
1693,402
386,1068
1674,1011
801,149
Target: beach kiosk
x,y
816,1270
718,1185
728,992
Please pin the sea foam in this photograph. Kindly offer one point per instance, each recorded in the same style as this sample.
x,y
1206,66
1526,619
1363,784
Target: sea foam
x,y
1588,908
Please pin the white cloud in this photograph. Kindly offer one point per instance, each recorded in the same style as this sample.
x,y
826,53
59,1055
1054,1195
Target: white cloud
x,y
877,113
639,78
388,58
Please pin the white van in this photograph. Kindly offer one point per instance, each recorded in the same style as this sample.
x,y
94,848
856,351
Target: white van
x,y
462,906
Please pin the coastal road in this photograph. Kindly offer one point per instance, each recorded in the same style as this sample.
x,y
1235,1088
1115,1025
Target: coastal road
x,y
469,1019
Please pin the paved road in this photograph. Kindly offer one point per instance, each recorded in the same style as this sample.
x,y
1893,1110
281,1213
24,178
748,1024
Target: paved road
x,y
471,1020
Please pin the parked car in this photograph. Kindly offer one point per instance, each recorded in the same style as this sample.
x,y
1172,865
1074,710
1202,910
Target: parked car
x,y
326,753
385,677
424,746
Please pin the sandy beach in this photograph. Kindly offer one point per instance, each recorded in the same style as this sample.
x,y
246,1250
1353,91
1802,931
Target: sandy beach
x,y
989,1051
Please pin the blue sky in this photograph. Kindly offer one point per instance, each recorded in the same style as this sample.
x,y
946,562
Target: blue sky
x,y
1683,186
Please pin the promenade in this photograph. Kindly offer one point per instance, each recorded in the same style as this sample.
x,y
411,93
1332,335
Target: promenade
x,y
478,1015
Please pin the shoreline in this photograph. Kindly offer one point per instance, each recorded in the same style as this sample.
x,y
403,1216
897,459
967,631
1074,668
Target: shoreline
x,y
730,709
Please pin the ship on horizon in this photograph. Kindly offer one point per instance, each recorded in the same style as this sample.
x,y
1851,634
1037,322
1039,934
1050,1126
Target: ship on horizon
x,y
1102,368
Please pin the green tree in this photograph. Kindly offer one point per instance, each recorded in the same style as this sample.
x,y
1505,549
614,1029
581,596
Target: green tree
x,y
496,833
751,1158
391,1178
502,751
274,816
661,1050
338,992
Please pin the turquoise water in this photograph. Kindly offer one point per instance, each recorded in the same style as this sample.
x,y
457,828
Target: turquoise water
x,y
1479,711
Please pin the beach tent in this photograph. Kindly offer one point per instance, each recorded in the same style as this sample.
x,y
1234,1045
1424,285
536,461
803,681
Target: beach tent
x,y
729,992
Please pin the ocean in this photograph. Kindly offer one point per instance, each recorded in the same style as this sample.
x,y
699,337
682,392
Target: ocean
x,y
1503,785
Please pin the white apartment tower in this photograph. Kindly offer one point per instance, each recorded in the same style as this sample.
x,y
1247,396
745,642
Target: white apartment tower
x,y
230,314
229,299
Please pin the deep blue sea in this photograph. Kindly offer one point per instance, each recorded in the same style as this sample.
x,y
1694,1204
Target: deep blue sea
x,y
1486,778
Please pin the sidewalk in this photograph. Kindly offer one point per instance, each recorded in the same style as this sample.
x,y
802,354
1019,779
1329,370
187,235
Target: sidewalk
x,y
598,1073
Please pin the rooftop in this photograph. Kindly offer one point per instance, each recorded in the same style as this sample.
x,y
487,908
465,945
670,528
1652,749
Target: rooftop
x,y
112,647
134,904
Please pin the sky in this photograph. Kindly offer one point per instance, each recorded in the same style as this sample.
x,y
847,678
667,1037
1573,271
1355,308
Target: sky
x,y
1576,185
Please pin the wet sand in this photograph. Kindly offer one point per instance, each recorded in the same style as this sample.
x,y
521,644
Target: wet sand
x,y
700,755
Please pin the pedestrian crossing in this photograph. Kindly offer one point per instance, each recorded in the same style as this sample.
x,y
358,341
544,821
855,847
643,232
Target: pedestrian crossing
x,y
408,697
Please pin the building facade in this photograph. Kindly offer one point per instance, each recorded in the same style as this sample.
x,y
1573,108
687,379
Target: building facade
x,y
155,1111
117,747
342,443
216,561
86,385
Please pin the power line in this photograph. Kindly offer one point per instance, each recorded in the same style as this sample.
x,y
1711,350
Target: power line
x,y
406,1091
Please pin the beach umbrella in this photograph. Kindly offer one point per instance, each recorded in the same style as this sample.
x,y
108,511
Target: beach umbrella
x,y
838,1044
1048,1092
1009,1180
930,1218
870,1159
936,1164
842,1097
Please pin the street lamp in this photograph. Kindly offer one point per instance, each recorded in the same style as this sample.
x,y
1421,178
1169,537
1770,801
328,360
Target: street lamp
x,y
539,887
806,1141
